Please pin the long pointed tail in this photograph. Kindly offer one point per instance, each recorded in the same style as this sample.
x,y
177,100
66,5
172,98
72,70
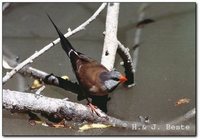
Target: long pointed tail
x,y
66,45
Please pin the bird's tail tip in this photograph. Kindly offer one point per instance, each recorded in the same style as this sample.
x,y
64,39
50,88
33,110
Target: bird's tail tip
x,y
59,32
66,45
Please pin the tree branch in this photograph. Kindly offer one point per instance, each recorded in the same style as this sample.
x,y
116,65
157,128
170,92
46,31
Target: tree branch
x,y
13,100
110,41
127,63
43,50
74,111
49,79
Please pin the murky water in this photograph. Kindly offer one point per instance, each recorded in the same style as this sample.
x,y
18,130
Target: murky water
x,y
165,72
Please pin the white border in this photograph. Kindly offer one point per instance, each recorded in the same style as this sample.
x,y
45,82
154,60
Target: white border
x,y
134,137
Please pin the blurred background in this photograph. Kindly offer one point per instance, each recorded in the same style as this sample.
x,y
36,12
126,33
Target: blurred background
x,y
165,72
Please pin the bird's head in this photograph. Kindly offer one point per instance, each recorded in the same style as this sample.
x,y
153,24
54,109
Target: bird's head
x,y
112,79
117,76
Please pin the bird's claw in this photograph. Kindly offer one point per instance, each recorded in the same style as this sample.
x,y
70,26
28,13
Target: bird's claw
x,y
93,109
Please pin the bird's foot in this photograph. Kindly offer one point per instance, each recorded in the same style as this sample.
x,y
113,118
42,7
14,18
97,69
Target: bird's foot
x,y
94,109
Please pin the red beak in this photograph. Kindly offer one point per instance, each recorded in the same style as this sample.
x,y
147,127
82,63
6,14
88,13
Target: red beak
x,y
122,79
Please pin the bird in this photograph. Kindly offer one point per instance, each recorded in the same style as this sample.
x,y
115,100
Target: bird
x,y
93,78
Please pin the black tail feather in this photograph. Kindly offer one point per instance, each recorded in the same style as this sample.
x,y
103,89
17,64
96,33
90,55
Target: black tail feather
x,y
66,45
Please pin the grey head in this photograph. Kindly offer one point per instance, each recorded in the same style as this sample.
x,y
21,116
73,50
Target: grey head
x,y
112,79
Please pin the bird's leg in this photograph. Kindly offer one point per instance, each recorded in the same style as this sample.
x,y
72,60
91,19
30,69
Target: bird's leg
x,y
93,107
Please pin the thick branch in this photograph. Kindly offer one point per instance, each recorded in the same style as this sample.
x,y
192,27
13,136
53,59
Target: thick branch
x,y
110,41
36,54
76,112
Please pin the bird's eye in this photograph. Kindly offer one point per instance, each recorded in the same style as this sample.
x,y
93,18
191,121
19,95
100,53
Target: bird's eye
x,y
116,79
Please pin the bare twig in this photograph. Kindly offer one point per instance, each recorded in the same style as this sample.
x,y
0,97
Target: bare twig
x,y
40,90
127,63
49,79
110,41
36,54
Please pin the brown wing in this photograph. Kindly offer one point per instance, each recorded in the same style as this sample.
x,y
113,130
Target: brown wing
x,y
87,73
